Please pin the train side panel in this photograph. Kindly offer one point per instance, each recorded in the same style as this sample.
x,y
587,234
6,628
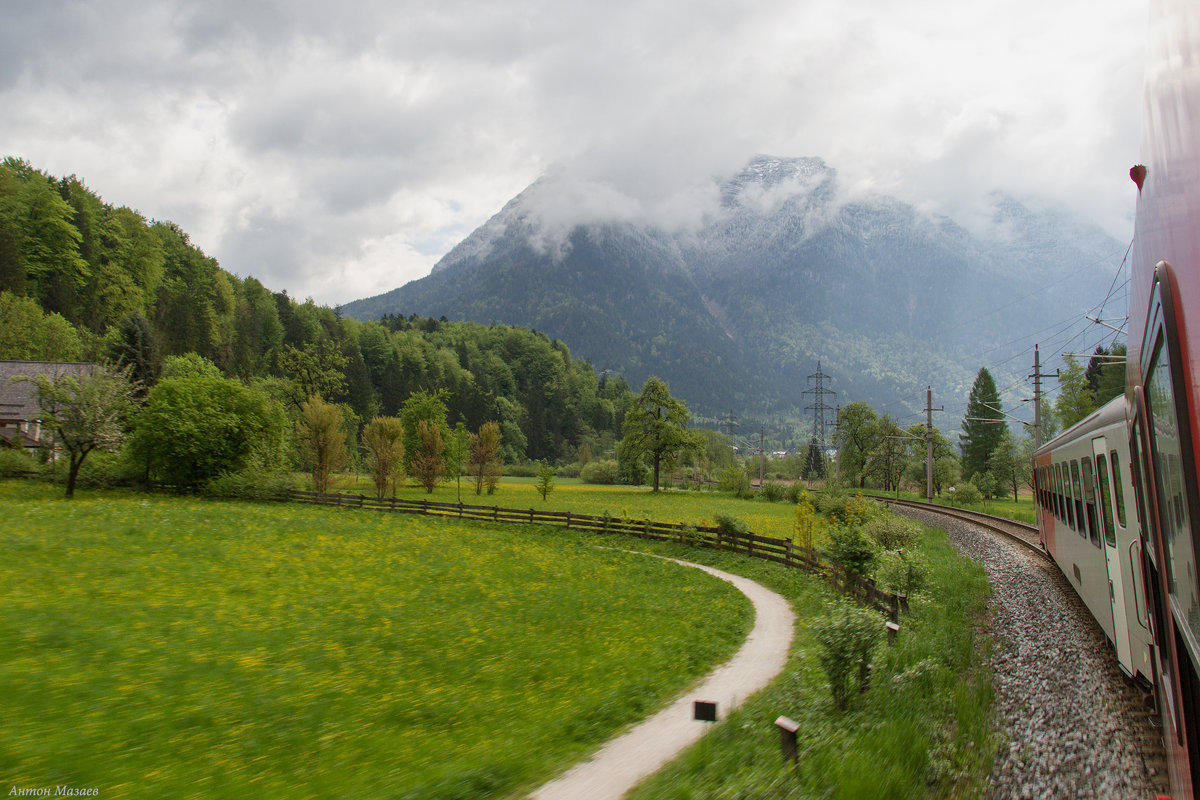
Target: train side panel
x,y
1163,373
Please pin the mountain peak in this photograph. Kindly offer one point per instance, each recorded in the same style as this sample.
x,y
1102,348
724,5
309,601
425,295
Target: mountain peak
x,y
779,270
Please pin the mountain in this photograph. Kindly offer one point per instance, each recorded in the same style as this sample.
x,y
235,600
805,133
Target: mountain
x,y
783,272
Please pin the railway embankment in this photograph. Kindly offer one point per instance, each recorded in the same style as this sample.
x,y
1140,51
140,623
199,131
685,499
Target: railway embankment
x,y
1074,725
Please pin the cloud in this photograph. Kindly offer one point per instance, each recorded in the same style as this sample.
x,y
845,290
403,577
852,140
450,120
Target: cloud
x,y
323,146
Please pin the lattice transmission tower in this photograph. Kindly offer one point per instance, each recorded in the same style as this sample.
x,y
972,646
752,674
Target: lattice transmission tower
x,y
819,380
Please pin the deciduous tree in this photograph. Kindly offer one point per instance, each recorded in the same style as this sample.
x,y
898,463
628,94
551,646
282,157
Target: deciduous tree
x,y
485,455
197,426
428,462
655,428
323,439
383,441
1075,399
86,412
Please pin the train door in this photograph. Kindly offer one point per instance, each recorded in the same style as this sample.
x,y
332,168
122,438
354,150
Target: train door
x,y
1105,521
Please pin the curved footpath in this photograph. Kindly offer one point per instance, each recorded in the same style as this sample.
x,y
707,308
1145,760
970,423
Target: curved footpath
x,y
648,746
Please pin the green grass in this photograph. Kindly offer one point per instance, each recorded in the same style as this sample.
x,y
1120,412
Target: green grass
x,y
924,729
570,494
170,647
1021,510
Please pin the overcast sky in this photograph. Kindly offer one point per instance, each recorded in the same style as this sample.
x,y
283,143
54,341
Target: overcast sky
x,y
338,149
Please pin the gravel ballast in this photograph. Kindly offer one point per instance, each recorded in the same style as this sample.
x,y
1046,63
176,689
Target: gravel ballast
x,y
1073,724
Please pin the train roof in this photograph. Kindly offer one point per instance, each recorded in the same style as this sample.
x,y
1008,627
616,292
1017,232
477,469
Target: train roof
x,y
1112,413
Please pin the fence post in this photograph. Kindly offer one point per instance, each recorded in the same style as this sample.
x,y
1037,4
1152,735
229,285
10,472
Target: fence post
x,y
568,520
894,608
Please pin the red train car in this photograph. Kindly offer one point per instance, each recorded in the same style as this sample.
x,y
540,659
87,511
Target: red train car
x,y
1163,374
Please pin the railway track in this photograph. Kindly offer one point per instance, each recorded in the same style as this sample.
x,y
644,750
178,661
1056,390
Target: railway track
x,y
1020,532
1062,739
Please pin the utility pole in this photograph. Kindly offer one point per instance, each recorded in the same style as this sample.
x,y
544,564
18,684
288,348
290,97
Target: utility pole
x,y
929,409
1037,396
762,454
819,407
837,442
730,423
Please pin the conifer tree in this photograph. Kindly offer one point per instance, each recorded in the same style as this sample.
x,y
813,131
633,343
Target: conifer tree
x,y
983,427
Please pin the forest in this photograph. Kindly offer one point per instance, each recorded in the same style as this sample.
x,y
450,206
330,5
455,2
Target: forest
x,y
85,280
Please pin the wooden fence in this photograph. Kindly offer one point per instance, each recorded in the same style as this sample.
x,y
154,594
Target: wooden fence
x,y
782,551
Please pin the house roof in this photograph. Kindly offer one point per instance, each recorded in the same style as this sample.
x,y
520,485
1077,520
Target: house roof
x,y
18,399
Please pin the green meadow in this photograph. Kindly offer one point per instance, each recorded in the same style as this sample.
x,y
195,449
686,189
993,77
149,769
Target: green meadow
x,y
173,647
634,502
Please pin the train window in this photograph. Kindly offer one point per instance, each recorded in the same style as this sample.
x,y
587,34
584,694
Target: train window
x,y
1118,489
1166,450
1062,493
1089,499
1065,495
1077,496
1106,511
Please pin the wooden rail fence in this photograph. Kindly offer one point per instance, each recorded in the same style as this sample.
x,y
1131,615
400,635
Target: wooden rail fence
x,y
781,551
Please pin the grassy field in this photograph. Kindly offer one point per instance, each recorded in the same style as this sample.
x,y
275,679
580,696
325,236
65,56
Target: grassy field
x,y
636,502
924,729
169,647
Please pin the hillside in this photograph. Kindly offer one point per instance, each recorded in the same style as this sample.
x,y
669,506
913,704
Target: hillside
x,y
83,279
786,271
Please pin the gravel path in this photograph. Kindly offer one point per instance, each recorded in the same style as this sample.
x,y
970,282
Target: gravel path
x,y
647,747
1071,719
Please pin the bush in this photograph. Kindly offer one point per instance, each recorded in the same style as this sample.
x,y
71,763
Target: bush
x,y
842,507
771,491
967,495
726,525
795,492
847,638
600,472
892,532
523,470
903,572
249,485
810,527
103,470
734,479
16,464
851,547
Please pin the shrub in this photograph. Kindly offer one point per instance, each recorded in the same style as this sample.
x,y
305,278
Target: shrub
x,y
967,495
522,470
851,547
16,464
728,525
600,472
892,532
734,479
795,492
107,471
842,507
249,485
810,528
903,571
847,637
771,491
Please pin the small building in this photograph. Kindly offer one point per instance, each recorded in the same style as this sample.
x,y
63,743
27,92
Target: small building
x,y
20,415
